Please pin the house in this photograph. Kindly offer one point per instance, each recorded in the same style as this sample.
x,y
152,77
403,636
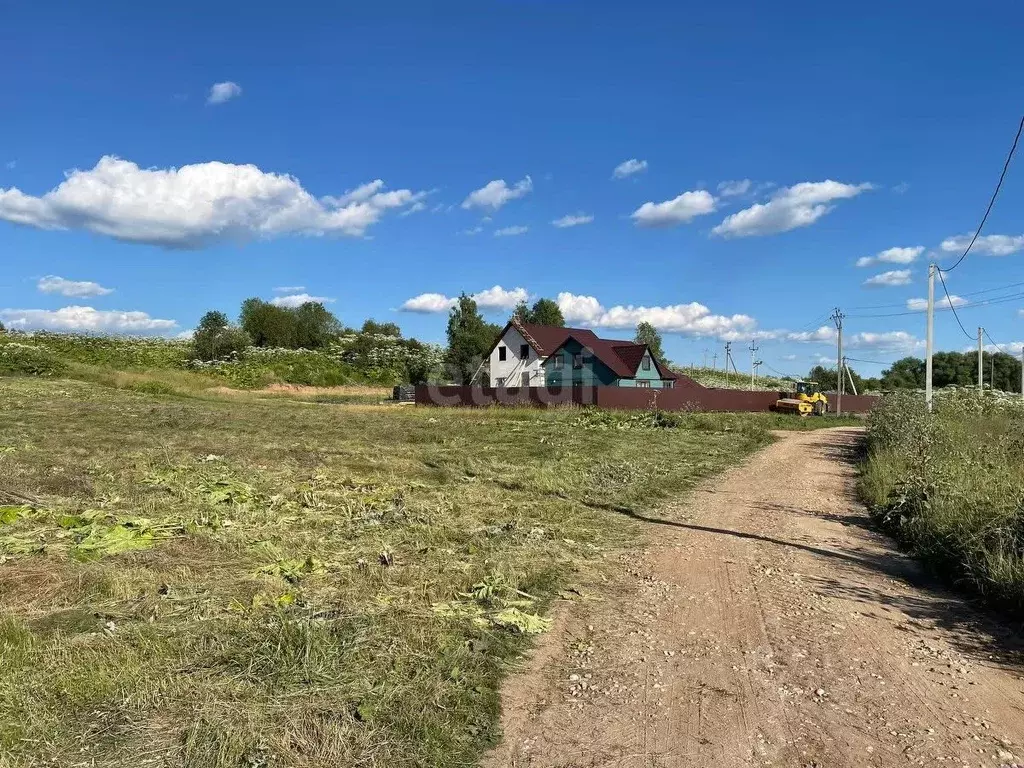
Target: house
x,y
528,355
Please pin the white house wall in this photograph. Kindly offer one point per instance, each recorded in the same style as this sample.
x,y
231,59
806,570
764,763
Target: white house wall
x,y
511,369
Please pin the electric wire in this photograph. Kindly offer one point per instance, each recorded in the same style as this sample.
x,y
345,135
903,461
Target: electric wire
x,y
991,202
985,331
949,300
972,305
969,293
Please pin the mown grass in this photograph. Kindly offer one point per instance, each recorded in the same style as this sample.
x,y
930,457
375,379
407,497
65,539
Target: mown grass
x,y
950,486
246,581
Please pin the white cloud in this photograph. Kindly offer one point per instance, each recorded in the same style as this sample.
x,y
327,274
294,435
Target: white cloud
x,y
511,231
789,358
824,333
693,319
890,278
11,164
221,92
734,188
571,220
496,193
490,298
993,245
472,231
901,188
428,302
629,167
1011,348
77,318
889,341
75,288
416,207
790,207
675,211
196,205
498,298
185,335
892,256
941,302
289,289
298,299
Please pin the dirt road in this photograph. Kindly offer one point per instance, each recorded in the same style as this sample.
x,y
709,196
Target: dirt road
x,y
768,626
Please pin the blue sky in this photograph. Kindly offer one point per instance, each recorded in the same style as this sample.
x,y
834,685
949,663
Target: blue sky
x,y
392,156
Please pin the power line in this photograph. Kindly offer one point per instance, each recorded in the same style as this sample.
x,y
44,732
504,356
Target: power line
x,y
869,362
991,202
969,293
950,300
971,305
985,331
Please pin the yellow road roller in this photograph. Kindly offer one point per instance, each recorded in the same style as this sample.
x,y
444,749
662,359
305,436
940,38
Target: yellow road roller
x,y
805,400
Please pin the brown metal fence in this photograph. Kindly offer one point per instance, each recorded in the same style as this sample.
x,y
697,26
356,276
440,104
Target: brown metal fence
x,y
685,395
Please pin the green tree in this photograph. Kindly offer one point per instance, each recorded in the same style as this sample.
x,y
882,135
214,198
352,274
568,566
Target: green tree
x,y
906,373
2,328
543,312
648,334
381,329
216,339
315,326
546,312
469,339
268,325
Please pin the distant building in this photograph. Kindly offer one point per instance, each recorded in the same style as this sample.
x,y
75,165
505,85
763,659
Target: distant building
x,y
529,355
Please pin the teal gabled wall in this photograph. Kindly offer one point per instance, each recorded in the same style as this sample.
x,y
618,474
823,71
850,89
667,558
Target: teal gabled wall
x,y
593,373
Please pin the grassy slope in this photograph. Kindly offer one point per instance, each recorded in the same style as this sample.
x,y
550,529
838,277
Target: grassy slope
x,y
288,612
949,486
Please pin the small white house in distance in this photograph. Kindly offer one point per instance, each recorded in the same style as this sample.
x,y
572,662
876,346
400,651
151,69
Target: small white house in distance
x,y
530,355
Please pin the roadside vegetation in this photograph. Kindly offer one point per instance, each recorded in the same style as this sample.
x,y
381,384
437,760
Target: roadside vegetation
x,y
255,582
949,485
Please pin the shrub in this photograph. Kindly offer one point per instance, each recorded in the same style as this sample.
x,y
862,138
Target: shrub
x,y
949,485
27,360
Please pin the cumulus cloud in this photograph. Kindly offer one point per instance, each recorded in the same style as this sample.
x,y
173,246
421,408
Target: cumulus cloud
x,y
888,341
75,288
734,188
824,333
892,256
629,167
472,230
693,319
221,92
511,231
789,208
678,210
490,298
941,302
572,220
890,278
496,193
298,299
87,319
289,289
196,205
993,245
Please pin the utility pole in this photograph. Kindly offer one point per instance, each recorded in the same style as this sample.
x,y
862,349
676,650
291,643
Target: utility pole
x,y
705,357
929,341
837,318
714,362
981,364
753,365
849,374
728,356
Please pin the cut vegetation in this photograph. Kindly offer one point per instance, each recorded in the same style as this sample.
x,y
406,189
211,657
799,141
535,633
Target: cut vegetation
x,y
244,581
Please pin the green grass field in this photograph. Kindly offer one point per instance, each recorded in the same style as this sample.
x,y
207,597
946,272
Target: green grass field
x,y
250,581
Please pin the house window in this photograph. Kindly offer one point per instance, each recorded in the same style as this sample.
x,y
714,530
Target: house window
x,y
667,383
524,351
559,361
577,361
643,383
646,363
501,353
